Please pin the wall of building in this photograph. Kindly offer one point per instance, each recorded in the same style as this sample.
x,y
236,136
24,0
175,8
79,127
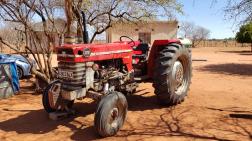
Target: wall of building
x,y
158,30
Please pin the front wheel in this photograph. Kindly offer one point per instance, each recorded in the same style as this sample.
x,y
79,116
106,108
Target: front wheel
x,y
52,100
110,114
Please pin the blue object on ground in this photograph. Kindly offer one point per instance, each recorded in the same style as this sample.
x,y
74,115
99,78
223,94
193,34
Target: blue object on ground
x,y
12,74
24,67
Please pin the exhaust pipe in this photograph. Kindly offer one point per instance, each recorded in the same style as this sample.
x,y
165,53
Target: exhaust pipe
x,y
85,32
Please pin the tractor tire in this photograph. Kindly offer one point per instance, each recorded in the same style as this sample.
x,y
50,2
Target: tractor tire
x,y
110,114
53,102
172,74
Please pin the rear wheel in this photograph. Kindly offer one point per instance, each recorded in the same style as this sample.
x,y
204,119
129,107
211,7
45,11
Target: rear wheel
x,y
110,114
172,74
52,100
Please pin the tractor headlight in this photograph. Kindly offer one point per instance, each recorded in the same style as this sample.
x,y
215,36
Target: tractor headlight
x,y
86,52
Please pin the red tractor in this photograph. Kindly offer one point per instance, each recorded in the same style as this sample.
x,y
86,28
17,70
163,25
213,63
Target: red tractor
x,y
105,72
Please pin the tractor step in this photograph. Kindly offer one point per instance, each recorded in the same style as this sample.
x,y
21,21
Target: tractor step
x,y
94,95
58,115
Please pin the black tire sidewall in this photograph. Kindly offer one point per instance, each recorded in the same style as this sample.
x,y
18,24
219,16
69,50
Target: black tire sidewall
x,y
45,99
164,87
181,53
107,103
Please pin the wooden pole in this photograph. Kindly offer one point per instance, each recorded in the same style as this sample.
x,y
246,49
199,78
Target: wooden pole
x,y
69,15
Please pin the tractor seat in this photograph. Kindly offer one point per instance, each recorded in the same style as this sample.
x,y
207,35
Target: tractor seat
x,y
144,47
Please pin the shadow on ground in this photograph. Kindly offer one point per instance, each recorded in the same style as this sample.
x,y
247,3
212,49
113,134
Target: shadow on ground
x,y
243,52
230,69
37,122
168,123
172,123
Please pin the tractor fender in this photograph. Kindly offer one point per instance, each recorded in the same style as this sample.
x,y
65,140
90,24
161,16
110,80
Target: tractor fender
x,y
156,47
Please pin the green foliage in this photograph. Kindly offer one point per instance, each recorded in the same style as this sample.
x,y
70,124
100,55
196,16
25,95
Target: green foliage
x,y
245,34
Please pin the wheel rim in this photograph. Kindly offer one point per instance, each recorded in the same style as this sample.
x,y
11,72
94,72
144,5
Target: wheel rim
x,y
178,76
114,114
53,96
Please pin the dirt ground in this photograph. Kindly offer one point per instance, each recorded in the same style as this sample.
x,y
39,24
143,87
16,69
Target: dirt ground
x,y
218,107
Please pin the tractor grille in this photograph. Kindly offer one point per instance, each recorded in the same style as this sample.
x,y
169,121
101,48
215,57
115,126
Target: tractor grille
x,y
72,75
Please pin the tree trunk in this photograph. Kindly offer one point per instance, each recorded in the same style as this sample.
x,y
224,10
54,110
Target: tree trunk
x,y
69,15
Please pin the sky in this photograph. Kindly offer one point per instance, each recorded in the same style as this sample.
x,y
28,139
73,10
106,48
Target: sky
x,y
211,16
206,14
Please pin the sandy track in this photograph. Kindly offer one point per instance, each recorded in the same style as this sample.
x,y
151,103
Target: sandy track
x,y
218,107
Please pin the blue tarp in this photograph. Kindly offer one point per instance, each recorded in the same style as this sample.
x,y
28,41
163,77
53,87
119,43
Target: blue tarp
x,y
14,75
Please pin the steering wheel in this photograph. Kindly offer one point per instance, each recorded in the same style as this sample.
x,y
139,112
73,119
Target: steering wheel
x,y
131,40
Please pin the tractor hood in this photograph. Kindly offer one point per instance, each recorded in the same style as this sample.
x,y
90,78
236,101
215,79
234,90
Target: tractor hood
x,y
93,52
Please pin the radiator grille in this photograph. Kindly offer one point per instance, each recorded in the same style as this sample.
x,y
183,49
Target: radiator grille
x,y
72,75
